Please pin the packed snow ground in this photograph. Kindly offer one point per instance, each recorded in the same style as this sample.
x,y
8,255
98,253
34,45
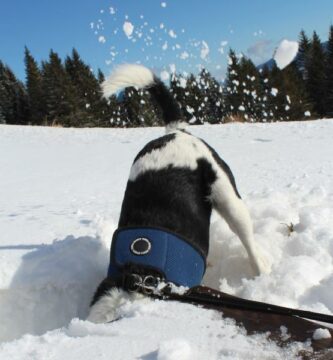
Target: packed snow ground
x,y
60,198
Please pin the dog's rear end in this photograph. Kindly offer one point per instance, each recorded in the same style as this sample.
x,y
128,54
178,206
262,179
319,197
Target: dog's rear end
x,y
174,183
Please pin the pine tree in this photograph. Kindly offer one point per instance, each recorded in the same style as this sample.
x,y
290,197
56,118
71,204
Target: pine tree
x,y
13,97
34,89
137,109
5,98
178,84
304,46
285,95
194,110
90,103
115,113
266,112
316,76
298,103
250,88
279,98
213,98
2,116
329,76
232,89
100,76
60,97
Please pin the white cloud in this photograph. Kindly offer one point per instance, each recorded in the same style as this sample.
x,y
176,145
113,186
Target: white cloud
x,y
261,51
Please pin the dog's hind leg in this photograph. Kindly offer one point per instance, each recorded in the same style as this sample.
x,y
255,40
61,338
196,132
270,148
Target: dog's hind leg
x,y
231,207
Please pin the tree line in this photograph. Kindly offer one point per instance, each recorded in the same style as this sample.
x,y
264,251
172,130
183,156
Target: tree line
x,y
68,93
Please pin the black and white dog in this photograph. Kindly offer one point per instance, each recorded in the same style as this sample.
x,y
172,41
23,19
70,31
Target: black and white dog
x,y
174,183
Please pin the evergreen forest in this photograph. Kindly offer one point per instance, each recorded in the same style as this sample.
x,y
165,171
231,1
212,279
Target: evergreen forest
x,y
67,92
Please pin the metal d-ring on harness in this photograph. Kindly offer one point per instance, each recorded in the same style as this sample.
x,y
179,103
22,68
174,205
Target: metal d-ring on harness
x,y
147,284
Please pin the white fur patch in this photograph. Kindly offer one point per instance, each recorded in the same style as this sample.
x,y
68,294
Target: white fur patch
x,y
107,307
127,75
175,126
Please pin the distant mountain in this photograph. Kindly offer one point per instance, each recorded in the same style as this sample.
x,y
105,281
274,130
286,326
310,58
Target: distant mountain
x,y
269,64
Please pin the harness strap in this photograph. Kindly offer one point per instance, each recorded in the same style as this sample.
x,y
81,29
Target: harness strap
x,y
219,300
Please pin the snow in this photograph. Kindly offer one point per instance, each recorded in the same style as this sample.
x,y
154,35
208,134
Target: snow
x,y
174,350
321,334
128,29
148,37
60,199
184,55
172,34
204,50
182,82
102,39
274,91
164,75
285,53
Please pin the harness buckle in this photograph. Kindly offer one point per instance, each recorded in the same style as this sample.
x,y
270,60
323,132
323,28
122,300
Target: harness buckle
x,y
147,284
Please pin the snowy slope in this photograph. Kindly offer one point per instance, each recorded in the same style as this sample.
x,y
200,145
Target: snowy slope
x,y
60,197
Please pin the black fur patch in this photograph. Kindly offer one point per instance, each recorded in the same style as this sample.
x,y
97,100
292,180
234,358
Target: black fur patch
x,y
173,198
154,145
171,110
225,168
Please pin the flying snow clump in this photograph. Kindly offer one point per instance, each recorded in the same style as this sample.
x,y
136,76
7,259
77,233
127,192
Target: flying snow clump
x,y
128,28
274,91
285,53
172,34
184,55
164,75
204,50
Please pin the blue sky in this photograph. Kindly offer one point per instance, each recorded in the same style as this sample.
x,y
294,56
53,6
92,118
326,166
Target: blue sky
x,y
167,34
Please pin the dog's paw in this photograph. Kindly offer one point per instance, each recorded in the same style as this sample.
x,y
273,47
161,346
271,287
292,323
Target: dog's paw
x,y
260,263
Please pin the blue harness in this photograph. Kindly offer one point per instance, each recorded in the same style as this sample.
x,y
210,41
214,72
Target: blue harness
x,y
150,248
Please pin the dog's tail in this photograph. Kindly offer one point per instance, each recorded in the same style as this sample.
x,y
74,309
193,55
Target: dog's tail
x,y
143,78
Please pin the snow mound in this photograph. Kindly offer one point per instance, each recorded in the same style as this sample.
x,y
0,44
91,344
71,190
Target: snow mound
x,y
53,284
302,258
158,330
